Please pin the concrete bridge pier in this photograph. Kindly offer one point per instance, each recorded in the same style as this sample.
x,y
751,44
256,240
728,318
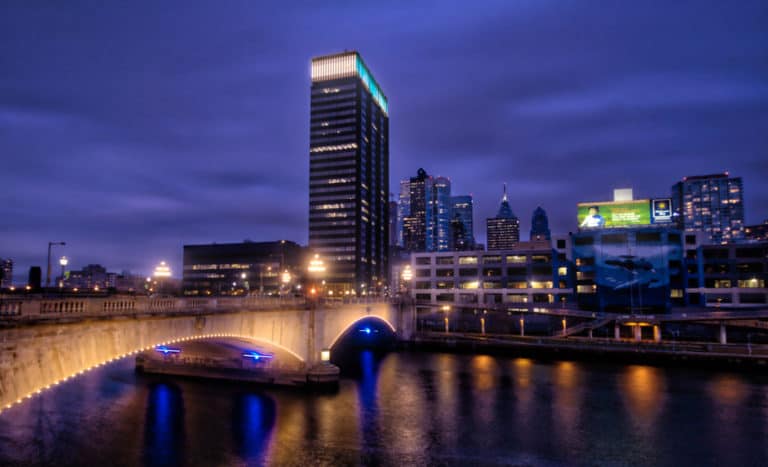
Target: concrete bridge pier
x,y
522,327
616,330
637,332
656,333
723,333
590,333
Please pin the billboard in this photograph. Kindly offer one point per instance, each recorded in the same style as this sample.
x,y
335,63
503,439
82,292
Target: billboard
x,y
661,210
614,214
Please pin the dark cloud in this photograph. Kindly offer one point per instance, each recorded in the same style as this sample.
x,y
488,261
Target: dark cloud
x,y
131,129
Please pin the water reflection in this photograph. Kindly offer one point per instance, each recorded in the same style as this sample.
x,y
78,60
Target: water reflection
x,y
484,372
567,404
644,393
368,401
402,408
253,418
164,426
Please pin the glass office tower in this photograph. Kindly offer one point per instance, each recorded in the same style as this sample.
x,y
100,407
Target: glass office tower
x,y
349,173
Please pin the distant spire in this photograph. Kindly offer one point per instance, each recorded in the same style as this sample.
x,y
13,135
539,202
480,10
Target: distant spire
x,y
505,211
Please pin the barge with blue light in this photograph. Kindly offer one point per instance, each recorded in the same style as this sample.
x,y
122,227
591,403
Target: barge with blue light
x,y
235,361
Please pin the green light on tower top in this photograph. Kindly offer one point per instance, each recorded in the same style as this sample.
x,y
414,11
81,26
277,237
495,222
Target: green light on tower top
x,y
370,84
345,65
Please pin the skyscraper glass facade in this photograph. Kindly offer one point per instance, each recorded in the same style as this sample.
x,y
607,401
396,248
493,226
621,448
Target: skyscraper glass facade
x,y
349,172
439,218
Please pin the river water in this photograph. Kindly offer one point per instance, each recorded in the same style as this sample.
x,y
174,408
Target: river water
x,y
402,408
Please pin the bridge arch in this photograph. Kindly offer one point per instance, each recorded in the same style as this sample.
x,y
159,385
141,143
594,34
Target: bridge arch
x,y
42,354
353,324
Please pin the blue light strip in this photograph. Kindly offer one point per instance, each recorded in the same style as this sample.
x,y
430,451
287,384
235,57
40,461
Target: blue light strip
x,y
256,356
165,350
370,83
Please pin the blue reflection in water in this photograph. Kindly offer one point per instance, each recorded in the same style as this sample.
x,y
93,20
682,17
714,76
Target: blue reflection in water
x,y
253,421
164,426
368,400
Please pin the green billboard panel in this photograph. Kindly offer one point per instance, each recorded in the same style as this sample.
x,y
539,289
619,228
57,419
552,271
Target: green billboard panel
x,y
614,214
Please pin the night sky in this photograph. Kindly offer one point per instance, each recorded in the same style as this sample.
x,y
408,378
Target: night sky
x,y
128,129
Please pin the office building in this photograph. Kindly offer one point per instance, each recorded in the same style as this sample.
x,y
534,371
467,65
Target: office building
x,y
243,268
729,276
503,231
439,218
349,172
540,225
710,203
415,223
92,276
403,208
428,223
6,273
629,269
462,224
528,274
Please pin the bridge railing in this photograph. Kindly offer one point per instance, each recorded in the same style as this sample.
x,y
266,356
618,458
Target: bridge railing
x,y
42,308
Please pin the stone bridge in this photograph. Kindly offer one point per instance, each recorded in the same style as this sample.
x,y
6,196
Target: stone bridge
x,y
45,342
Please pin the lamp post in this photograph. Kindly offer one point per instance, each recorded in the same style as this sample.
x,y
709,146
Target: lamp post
x,y
285,280
315,270
48,272
63,261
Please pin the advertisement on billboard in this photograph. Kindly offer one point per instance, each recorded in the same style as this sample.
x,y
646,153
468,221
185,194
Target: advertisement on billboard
x,y
614,214
661,210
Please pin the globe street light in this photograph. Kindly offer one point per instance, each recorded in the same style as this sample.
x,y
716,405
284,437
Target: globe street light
x,y
48,272
63,261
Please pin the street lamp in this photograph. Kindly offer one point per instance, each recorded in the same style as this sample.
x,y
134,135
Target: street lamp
x,y
316,270
63,261
48,273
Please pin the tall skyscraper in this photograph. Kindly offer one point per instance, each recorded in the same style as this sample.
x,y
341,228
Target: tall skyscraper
x,y
415,223
349,172
540,225
710,203
462,225
503,231
439,216
403,209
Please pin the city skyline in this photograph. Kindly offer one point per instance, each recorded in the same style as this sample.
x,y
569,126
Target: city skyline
x,y
126,152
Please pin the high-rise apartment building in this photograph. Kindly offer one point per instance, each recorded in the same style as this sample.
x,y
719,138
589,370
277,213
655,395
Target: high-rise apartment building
x,y
462,226
710,203
349,172
540,225
503,231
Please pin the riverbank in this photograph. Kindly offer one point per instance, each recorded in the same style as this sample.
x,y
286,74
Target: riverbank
x,y
681,354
